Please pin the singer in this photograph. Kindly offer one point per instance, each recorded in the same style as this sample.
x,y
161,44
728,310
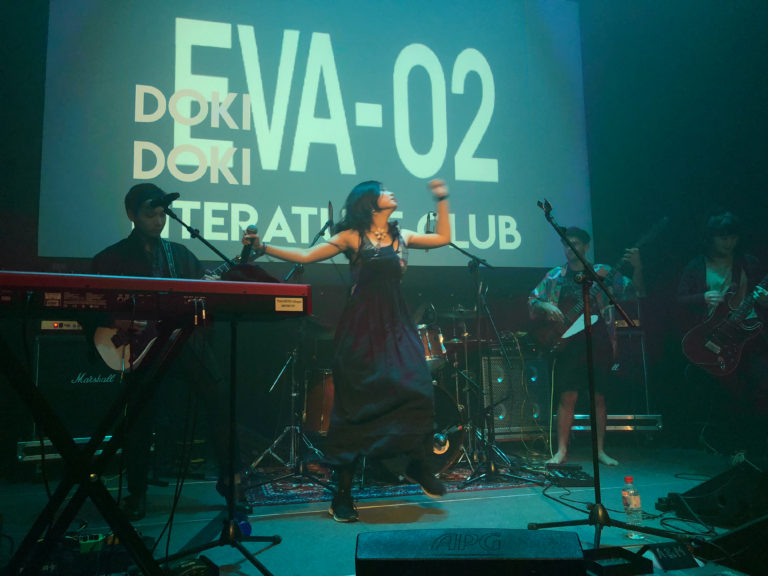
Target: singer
x,y
383,405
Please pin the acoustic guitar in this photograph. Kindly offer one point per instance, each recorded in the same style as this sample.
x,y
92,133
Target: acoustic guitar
x,y
113,343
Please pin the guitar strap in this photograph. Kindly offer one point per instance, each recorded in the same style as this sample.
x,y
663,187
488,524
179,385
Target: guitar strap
x,y
169,258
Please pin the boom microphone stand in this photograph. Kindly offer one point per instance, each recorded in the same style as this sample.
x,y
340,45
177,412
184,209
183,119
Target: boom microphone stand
x,y
598,515
487,471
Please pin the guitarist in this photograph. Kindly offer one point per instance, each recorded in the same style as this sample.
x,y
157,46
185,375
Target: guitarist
x,y
548,303
144,253
711,285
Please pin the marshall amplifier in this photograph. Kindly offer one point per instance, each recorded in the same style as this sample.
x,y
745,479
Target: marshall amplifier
x,y
77,384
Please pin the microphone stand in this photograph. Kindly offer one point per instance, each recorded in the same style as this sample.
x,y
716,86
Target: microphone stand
x,y
298,267
487,470
231,534
296,435
598,515
195,233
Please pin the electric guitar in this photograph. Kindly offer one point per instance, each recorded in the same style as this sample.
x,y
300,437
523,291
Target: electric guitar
x,y
551,334
114,343
717,343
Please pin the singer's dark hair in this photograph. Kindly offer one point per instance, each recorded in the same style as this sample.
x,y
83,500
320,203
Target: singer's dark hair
x,y
359,207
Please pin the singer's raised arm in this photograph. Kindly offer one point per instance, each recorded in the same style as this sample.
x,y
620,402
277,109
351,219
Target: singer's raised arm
x,y
442,234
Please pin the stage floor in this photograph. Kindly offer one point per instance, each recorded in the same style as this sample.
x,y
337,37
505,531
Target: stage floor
x,y
312,543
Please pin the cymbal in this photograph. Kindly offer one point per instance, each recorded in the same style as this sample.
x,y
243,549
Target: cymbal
x,y
461,342
458,314
510,334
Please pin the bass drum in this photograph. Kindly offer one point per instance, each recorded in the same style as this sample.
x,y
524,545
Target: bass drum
x,y
318,402
449,431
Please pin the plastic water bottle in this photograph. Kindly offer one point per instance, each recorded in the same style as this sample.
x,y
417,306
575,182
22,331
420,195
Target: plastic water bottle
x,y
632,506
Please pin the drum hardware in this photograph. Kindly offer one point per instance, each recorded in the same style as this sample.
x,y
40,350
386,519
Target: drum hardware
x,y
294,434
467,449
490,452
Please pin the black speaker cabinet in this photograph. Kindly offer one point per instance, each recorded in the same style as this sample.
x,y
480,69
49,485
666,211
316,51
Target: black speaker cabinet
x,y
77,384
462,551
521,395
729,499
742,549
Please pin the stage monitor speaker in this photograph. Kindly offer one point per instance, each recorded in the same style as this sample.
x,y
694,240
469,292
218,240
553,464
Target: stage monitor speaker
x,y
521,395
742,549
75,381
729,499
454,552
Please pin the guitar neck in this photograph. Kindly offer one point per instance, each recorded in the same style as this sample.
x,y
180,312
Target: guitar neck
x,y
578,308
574,312
747,303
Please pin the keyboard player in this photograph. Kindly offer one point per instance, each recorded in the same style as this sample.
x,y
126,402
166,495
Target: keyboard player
x,y
145,253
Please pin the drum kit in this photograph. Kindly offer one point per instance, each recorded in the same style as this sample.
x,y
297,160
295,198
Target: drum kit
x,y
459,403
457,422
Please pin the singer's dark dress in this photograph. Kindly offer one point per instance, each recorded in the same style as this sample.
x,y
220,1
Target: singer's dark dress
x,y
383,405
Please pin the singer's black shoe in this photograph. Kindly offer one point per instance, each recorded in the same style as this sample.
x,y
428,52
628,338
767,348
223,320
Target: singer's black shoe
x,y
418,470
343,508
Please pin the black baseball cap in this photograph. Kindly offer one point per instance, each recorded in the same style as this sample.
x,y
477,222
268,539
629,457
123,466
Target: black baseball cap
x,y
140,193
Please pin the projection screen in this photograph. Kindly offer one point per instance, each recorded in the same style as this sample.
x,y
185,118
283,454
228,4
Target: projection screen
x,y
264,112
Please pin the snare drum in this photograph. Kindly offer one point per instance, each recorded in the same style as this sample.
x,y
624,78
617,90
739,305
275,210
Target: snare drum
x,y
318,402
434,349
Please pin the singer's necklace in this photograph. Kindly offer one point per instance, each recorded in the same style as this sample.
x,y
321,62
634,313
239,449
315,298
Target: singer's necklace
x,y
379,234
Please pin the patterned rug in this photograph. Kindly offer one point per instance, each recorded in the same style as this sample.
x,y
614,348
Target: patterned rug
x,y
268,486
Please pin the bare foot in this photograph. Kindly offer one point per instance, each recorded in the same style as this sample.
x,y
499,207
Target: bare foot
x,y
607,460
558,458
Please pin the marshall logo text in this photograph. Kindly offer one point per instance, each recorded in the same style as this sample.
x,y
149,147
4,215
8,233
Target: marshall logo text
x,y
85,378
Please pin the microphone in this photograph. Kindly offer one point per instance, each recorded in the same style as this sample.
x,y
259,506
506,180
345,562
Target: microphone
x,y
440,441
546,206
427,228
165,201
328,223
246,251
440,444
